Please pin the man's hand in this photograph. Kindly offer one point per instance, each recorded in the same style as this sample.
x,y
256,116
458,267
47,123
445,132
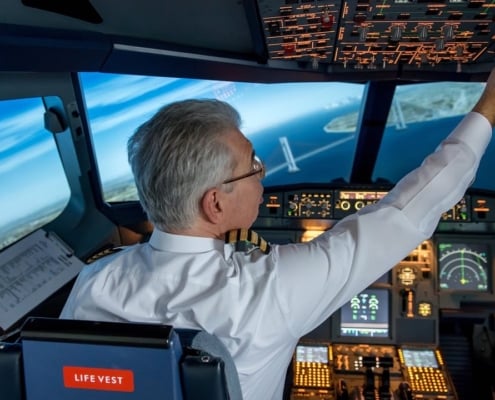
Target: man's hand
x,y
486,103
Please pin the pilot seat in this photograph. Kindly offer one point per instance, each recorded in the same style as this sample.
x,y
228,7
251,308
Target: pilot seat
x,y
82,360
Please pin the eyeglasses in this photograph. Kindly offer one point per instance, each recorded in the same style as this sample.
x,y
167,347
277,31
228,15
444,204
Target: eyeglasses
x,y
258,168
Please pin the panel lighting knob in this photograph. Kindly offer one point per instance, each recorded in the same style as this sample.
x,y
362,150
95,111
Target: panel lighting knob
x,y
307,202
345,205
325,204
359,204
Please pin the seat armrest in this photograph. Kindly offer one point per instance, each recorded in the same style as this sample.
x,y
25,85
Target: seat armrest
x,y
203,377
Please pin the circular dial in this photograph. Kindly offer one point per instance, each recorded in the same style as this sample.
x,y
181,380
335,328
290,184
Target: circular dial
x,y
463,266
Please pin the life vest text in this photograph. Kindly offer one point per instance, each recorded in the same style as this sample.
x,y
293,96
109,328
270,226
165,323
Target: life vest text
x,y
119,380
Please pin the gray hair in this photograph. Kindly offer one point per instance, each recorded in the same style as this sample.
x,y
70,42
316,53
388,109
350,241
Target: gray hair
x,y
178,155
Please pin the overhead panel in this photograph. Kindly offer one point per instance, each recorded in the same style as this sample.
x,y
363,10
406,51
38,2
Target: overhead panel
x,y
380,34
301,31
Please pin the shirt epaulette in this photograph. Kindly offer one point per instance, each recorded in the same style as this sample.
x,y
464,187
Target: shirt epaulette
x,y
246,240
102,253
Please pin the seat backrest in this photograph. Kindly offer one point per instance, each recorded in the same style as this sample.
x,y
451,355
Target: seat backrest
x,y
79,360
69,359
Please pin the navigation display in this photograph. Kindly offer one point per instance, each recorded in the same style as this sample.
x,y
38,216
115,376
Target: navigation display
x,y
366,315
463,266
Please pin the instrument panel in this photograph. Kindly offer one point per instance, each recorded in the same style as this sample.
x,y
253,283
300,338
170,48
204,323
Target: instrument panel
x,y
384,342
380,35
453,267
323,203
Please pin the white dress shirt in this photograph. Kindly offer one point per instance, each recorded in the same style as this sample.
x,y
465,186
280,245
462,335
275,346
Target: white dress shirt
x,y
260,305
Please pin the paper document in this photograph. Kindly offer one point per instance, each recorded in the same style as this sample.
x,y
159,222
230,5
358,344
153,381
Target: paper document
x,y
30,271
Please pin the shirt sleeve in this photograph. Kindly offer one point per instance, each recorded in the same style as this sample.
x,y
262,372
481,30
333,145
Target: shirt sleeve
x,y
316,278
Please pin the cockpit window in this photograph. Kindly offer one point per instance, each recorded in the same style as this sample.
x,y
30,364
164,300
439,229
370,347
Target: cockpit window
x,y
304,132
34,189
420,117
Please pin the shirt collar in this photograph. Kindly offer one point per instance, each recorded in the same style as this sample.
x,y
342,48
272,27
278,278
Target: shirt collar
x,y
163,241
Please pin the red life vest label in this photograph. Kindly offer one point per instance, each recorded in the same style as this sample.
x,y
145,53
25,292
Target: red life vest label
x,y
118,380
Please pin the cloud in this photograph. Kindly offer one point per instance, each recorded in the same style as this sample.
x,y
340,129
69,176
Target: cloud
x,y
26,155
20,127
122,89
134,114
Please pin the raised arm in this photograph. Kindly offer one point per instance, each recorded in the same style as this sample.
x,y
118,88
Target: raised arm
x,y
361,247
486,104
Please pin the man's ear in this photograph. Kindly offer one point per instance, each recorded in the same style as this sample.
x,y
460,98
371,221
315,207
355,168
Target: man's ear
x,y
212,205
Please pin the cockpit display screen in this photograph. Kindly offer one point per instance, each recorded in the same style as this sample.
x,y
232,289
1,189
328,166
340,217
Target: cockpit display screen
x,y
463,266
317,354
419,358
366,315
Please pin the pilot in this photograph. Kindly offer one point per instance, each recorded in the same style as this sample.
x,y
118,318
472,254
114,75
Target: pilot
x,y
198,178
